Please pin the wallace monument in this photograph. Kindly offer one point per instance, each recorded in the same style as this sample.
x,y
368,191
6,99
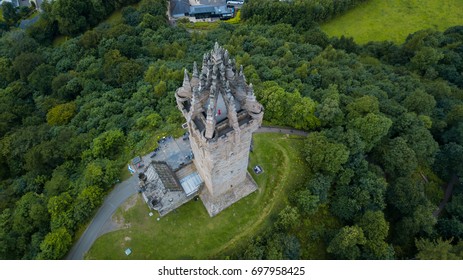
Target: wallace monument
x,y
221,113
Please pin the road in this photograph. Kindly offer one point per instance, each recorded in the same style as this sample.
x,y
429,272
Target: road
x,y
121,193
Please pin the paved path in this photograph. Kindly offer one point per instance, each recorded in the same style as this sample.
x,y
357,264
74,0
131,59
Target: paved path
x,y
25,23
121,193
266,129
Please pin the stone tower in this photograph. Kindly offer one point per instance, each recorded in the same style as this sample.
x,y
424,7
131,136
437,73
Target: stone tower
x,y
222,113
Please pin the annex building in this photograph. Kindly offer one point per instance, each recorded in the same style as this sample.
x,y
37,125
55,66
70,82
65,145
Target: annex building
x,y
36,4
200,9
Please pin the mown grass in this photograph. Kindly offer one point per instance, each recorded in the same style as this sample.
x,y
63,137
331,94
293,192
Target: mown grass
x,y
189,233
393,20
236,19
200,25
114,18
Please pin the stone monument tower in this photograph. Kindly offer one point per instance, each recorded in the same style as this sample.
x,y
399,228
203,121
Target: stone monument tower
x,y
222,113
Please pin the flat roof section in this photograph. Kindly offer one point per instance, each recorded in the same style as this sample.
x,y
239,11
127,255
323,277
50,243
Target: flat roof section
x,y
212,10
208,2
191,183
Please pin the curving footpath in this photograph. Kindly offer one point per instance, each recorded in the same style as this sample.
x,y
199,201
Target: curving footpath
x,y
274,129
121,193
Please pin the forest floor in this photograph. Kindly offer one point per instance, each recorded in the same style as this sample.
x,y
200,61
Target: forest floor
x,y
448,193
393,20
189,232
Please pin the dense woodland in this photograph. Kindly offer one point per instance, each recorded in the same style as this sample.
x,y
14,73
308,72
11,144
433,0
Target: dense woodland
x,y
386,125
301,13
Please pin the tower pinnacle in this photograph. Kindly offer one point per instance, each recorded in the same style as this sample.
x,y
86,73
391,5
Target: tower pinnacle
x,y
221,113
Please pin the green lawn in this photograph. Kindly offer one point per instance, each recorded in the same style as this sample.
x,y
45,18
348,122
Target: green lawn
x,y
190,233
58,40
114,18
393,20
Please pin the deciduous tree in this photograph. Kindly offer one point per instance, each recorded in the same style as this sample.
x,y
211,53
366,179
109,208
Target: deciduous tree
x,y
107,144
323,155
55,245
61,114
371,128
398,158
375,228
346,243
436,250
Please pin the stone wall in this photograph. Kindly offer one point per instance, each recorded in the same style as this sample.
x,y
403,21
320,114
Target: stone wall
x,y
222,162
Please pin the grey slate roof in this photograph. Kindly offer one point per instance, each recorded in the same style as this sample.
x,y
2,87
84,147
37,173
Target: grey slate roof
x,y
179,7
204,9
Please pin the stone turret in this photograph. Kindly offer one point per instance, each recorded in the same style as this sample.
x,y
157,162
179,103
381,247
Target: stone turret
x,y
222,112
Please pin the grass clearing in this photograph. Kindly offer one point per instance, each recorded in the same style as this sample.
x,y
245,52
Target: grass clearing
x,y
236,19
189,233
393,20
116,16
200,25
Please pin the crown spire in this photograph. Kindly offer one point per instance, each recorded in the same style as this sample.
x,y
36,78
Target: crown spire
x,y
217,94
186,80
195,70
